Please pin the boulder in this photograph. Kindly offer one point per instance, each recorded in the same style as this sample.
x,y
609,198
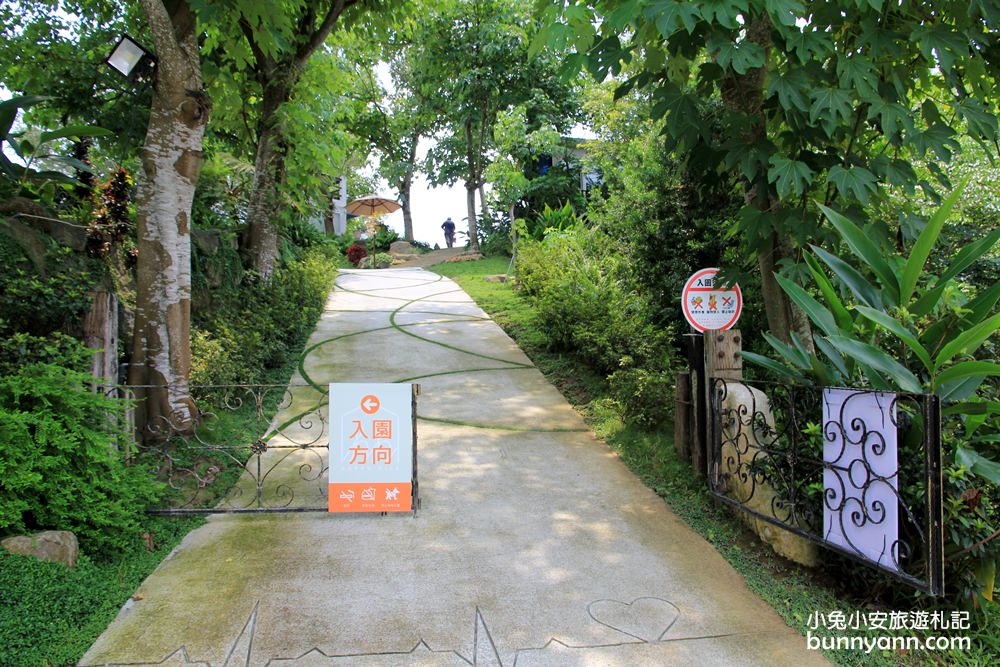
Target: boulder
x,y
404,257
39,217
59,546
740,445
465,257
400,248
206,241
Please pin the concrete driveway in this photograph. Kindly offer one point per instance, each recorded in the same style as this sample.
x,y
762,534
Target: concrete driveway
x,y
534,545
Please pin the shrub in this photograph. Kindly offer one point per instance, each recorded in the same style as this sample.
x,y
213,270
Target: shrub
x,y
59,466
254,328
39,305
381,259
896,326
384,237
588,305
21,349
356,253
215,359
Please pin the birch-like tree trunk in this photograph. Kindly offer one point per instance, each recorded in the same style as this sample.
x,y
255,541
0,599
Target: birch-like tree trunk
x,y
171,163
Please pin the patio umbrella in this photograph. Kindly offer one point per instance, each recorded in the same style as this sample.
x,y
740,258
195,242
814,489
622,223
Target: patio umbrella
x,y
372,205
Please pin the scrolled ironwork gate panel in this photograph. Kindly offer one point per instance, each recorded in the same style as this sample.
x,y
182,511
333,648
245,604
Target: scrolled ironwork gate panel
x,y
211,465
767,440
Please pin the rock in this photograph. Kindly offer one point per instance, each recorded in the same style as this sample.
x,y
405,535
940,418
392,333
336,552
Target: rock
x,y
400,248
59,546
499,278
751,491
206,241
31,213
465,257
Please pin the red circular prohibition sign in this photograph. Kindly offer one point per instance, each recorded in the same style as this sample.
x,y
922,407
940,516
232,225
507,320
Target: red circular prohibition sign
x,y
703,321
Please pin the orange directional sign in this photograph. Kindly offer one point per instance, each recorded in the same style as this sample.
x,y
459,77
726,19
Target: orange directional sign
x,y
371,448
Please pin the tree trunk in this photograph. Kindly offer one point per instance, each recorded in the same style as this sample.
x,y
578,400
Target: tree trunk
x,y
471,184
404,189
779,321
262,237
171,163
277,79
745,94
484,209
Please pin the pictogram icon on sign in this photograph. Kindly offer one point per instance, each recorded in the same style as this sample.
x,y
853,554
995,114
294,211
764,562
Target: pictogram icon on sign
x,y
370,404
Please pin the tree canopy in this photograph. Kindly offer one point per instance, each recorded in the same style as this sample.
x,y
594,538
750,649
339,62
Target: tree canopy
x,y
803,103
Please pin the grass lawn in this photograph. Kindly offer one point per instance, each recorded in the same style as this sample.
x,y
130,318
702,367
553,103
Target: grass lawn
x,y
793,591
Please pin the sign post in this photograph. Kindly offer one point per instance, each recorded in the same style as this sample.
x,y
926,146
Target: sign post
x,y
707,306
373,448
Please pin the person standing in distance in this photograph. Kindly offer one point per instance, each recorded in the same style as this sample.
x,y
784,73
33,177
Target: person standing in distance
x,y
449,232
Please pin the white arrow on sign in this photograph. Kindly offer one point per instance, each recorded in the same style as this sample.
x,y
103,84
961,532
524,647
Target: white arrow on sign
x,y
370,404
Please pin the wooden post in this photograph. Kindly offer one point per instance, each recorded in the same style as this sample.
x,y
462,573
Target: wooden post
x,y
724,354
683,406
100,332
723,359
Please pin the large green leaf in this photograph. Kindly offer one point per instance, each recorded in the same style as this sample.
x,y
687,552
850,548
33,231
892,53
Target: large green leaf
x,y
959,390
822,317
878,360
835,357
967,369
863,290
9,109
741,56
791,353
74,132
978,463
960,262
830,106
726,13
775,367
984,302
972,408
840,312
866,251
789,176
923,246
859,73
790,87
855,182
968,341
908,337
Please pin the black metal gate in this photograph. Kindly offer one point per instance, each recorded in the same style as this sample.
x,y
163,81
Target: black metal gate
x,y
255,448
773,454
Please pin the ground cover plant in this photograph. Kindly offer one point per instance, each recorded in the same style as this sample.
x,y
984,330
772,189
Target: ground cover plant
x,y
50,614
793,591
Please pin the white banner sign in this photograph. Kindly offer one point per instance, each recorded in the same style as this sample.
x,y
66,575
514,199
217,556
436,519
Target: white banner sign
x,y
860,481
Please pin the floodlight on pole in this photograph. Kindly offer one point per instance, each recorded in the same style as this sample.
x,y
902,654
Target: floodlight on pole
x,y
131,59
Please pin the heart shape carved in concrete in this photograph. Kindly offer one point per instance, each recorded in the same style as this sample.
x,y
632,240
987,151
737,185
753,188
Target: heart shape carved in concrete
x,y
648,618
